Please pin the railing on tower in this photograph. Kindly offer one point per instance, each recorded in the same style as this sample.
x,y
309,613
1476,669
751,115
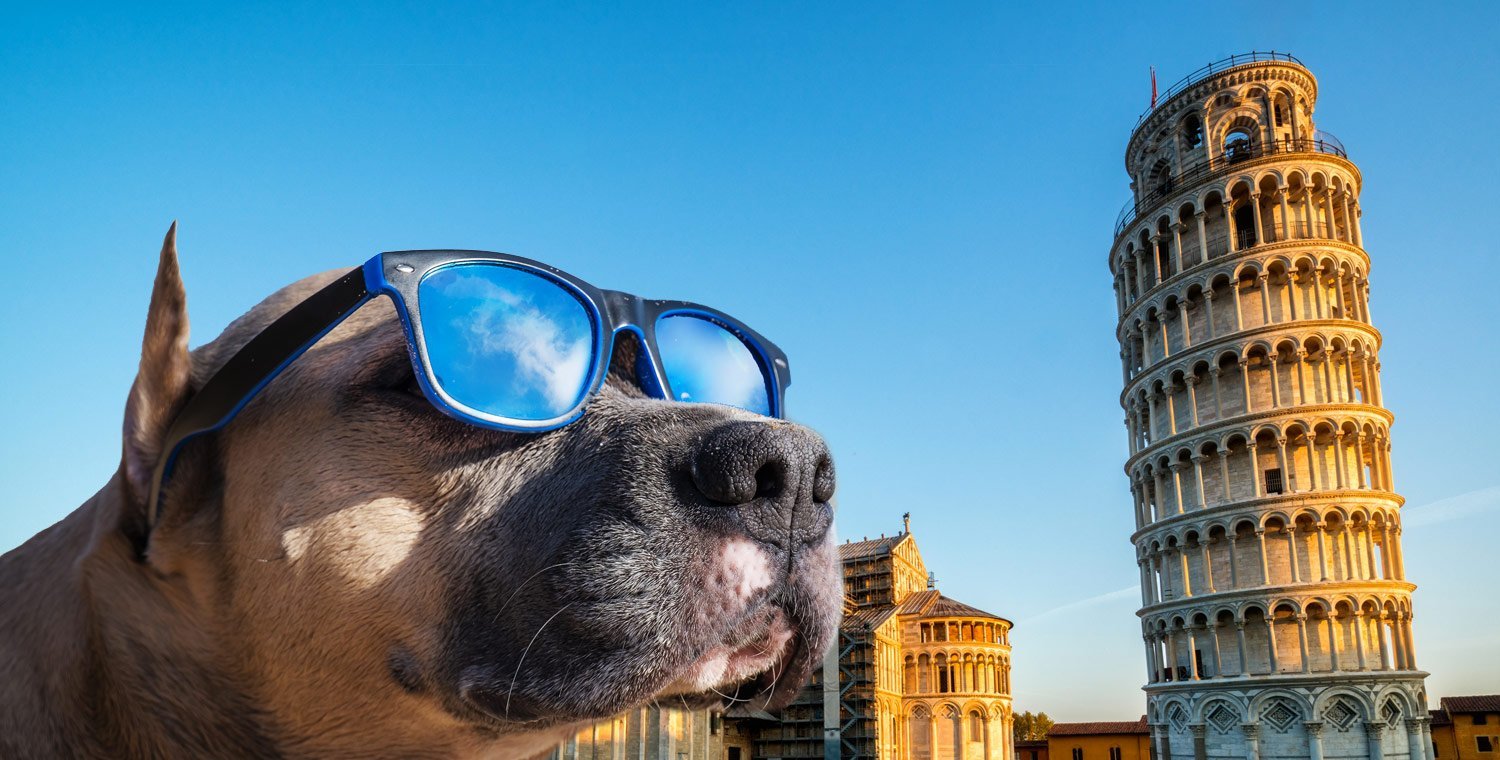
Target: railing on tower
x,y
1222,163
1216,67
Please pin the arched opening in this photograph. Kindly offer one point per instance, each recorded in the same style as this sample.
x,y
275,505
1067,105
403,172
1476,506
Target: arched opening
x,y
1192,131
1244,226
1239,145
1159,180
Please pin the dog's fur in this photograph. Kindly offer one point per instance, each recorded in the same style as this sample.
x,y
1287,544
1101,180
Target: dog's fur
x,y
344,571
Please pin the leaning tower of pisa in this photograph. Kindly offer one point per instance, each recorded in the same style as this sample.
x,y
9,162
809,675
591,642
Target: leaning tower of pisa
x,y
1275,609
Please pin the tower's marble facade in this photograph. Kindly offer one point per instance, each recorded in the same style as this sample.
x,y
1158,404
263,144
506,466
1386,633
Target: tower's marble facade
x,y
1275,610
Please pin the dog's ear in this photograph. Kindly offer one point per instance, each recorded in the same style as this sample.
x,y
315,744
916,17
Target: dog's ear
x,y
164,380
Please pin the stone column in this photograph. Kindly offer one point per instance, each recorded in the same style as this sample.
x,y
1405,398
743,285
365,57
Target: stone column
x,y
1321,528
1314,739
1202,235
1213,632
1198,475
1265,567
1302,641
1208,310
1192,389
1259,227
1192,633
1245,383
1414,745
1299,378
1156,258
1265,296
1208,565
1359,456
1187,330
1312,213
1176,468
1386,662
1274,360
1224,471
1252,740
1200,746
1286,215
1239,630
1291,550
1374,729
1275,657
1320,295
1255,479
1150,658
1286,470
1177,244
1358,626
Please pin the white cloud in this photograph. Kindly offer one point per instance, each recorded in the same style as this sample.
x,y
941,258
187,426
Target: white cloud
x,y
547,357
1452,508
1124,593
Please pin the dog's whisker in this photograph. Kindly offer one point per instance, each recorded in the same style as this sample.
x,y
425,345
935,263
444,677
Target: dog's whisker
x,y
524,583
525,652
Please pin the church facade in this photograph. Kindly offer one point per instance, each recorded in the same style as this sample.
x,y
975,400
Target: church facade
x,y
915,675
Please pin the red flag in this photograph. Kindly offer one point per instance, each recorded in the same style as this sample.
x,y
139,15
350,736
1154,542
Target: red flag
x,y
1153,86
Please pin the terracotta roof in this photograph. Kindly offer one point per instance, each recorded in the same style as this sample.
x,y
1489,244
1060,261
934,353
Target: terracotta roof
x,y
1439,718
870,547
931,603
870,618
1097,728
916,602
1484,703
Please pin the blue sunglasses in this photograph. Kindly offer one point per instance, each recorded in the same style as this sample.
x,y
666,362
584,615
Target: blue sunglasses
x,y
503,342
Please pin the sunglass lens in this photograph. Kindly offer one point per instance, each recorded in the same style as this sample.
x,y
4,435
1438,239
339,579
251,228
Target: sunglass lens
x,y
707,363
506,341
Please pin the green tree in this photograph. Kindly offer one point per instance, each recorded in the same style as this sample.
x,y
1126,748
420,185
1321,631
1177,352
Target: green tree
x,y
1031,727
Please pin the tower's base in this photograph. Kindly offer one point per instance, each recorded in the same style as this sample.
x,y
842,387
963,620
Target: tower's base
x,y
1348,716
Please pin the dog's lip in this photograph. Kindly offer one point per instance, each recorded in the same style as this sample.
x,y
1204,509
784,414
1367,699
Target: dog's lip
x,y
499,705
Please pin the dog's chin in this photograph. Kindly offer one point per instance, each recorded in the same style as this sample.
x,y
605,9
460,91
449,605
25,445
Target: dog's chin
x,y
763,673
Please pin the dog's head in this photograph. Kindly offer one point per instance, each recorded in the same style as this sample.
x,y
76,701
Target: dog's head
x,y
374,560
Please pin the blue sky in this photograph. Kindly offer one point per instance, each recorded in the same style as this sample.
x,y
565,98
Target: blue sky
x,y
915,201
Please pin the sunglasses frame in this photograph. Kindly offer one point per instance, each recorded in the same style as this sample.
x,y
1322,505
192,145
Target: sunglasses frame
x,y
398,275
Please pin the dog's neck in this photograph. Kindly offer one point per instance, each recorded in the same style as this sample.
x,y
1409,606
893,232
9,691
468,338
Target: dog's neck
x,y
90,660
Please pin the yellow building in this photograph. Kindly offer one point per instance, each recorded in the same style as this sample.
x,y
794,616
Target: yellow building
x,y
1106,740
917,675
1467,728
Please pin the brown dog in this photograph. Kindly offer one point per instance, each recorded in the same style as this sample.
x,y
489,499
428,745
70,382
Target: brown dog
x,y
344,571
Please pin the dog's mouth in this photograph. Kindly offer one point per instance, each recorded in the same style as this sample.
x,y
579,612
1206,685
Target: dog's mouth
x,y
761,670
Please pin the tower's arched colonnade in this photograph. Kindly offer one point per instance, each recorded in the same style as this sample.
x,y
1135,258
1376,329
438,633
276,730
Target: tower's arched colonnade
x,y
1276,612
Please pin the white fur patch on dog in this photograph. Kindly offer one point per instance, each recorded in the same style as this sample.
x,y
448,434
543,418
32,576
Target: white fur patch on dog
x,y
747,567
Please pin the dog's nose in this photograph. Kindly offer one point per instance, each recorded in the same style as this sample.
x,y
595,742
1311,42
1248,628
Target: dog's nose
x,y
778,474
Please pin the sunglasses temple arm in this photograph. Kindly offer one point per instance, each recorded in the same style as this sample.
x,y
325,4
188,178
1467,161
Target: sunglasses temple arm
x,y
253,367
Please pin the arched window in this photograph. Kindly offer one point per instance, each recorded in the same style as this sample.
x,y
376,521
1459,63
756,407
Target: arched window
x,y
976,727
1192,131
1244,226
1238,145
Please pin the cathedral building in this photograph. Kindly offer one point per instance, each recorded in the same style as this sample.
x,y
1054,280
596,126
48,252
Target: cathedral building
x,y
915,675
1276,611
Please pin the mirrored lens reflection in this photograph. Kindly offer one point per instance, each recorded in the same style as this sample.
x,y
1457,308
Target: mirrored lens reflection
x,y
706,363
505,341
